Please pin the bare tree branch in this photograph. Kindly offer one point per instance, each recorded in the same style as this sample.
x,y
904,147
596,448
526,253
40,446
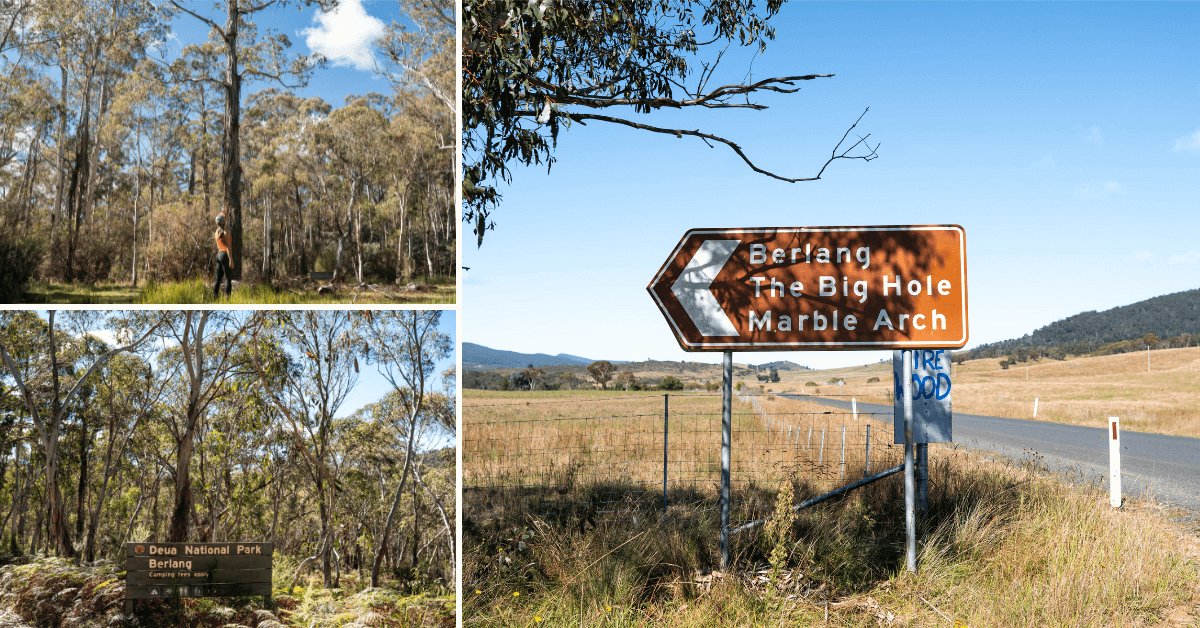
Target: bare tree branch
x,y
845,154
199,17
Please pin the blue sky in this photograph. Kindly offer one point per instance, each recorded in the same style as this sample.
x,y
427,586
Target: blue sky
x,y
345,36
1064,138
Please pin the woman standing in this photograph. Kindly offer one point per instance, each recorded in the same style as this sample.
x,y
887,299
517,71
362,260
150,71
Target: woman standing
x,y
224,241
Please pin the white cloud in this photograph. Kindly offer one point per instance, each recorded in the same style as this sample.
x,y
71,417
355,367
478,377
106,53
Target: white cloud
x,y
1045,162
345,36
1098,189
1185,258
1190,143
1094,136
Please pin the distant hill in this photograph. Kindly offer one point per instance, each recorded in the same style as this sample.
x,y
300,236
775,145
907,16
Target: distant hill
x,y
481,358
1174,318
784,365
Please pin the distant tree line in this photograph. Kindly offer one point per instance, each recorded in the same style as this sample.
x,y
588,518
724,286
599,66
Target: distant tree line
x,y
599,375
1173,320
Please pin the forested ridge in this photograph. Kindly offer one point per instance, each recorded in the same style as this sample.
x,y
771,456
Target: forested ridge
x,y
1165,321
148,426
115,158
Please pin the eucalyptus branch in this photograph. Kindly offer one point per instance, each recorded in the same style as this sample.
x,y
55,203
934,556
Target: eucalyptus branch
x,y
200,17
845,154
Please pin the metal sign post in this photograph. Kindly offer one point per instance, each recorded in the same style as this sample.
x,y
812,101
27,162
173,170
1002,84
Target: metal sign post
x,y
910,516
828,289
726,441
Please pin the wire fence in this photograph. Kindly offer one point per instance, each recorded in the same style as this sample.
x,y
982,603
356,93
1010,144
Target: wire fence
x,y
580,457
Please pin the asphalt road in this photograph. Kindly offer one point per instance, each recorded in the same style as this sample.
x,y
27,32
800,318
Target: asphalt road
x,y
1164,466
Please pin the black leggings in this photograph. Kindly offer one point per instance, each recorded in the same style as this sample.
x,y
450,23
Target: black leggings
x,y
222,269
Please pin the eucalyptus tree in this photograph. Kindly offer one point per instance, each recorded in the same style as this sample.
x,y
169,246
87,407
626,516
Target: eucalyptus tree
x,y
529,69
420,54
358,141
49,421
199,357
150,134
279,154
246,56
93,42
406,345
129,395
307,378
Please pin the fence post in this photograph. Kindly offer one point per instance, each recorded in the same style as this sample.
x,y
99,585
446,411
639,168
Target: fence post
x,y
867,471
842,472
726,437
922,478
854,407
821,456
666,416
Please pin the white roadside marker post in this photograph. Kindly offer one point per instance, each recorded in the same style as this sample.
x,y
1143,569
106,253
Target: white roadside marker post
x,y
854,407
1035,400
1114,461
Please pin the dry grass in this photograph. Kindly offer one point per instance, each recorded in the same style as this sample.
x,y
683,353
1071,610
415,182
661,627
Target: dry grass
x,y
1078,391
1003,544
54,592
553,452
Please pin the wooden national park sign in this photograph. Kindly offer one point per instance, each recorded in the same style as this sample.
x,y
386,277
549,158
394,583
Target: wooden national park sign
x,y
164,570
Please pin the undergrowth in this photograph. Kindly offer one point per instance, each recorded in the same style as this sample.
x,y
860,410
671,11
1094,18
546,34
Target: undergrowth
x,y
54,593
1002,544
437,290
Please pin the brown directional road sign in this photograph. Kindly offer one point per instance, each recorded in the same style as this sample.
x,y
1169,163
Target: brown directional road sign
x,y
775,289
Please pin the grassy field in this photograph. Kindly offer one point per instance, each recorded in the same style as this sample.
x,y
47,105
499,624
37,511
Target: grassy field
x,y
539,452
1163,399
440,290
1003,543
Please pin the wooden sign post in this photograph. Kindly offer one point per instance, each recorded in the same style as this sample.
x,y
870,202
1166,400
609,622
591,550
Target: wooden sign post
x,y
165,570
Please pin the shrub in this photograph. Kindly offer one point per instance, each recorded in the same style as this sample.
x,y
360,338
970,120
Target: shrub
x,y
670,382
182,247
19,260
1004,364
872,380
811,384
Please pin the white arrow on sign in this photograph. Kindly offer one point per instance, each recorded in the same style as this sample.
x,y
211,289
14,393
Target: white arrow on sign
x,y
692,288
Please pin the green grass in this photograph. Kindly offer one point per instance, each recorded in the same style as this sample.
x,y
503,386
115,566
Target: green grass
x,y
199,291
47,292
